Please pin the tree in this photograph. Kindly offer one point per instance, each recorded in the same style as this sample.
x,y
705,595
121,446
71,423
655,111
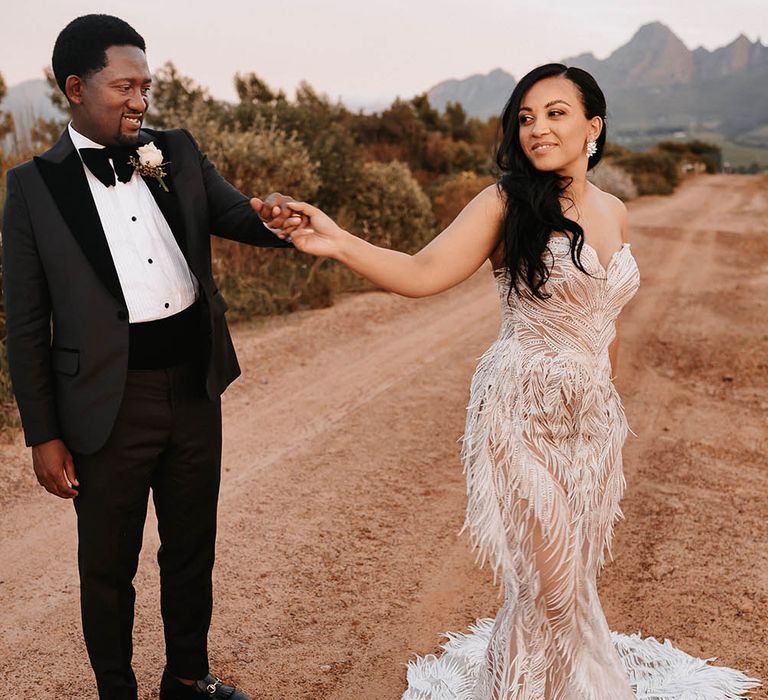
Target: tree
x,y
428,115
456,121
252,89
6,118
325,129
176,99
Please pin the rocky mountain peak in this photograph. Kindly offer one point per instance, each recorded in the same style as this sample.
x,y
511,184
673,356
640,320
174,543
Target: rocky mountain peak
x,y
653,56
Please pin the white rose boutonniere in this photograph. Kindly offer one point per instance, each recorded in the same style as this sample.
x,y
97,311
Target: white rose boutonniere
x,y
150,163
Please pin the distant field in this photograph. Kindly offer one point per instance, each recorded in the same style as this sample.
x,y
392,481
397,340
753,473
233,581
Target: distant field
x,y
735,153
757,137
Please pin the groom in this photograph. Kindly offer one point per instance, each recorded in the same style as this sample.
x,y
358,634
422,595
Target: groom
x,y
119,349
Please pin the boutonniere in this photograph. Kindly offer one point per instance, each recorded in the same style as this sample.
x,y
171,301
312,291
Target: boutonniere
x,y
150,163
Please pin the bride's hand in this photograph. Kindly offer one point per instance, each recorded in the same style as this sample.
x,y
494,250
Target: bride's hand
x,y
321,236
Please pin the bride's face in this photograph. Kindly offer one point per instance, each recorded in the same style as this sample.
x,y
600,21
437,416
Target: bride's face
x,y
553,127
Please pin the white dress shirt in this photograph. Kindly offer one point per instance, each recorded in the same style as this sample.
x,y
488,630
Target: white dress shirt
x,y
153,273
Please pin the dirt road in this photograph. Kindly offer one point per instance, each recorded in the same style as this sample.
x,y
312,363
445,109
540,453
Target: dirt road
x,y
342,494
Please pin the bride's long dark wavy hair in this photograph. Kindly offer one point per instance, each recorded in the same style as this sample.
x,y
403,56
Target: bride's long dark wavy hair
x,y
532,197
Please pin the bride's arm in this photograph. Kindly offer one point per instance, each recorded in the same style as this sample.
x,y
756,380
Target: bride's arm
x,y
451,257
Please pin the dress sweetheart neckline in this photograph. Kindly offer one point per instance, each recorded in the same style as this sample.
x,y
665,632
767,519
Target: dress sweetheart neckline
x,y
605,269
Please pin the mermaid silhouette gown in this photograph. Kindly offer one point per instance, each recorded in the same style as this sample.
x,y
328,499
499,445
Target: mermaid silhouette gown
x,y
542,457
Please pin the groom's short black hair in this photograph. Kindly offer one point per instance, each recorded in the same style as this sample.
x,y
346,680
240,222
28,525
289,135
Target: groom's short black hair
x,y
81,47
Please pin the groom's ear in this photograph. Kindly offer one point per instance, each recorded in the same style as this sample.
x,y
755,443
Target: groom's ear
x,y
73,89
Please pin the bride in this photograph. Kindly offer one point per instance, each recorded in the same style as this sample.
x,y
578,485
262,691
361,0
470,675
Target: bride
x,y
545,425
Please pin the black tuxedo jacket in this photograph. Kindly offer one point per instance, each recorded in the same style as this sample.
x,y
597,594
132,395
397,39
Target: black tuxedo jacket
x,y
66,317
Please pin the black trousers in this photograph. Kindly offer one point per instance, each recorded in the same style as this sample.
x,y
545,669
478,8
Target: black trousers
x,y
167,438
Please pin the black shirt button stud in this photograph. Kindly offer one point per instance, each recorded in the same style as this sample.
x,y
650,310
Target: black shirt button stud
x,y
167,305
122,315
149,261
133,218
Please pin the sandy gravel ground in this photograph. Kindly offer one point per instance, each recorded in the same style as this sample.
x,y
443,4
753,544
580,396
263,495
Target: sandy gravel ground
x,y
342,494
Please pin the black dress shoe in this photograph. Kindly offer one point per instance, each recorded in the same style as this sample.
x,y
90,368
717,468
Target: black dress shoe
x,y
172,688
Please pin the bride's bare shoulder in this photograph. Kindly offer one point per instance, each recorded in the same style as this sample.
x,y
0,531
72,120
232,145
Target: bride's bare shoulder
x,y
615,208
485,209
491,200
492,197
607,199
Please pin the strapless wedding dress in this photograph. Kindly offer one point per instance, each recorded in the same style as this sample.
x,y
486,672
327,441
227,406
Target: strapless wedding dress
x,y
542,456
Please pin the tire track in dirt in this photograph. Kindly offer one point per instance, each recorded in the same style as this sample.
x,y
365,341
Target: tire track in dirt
x,y
342,492
690,553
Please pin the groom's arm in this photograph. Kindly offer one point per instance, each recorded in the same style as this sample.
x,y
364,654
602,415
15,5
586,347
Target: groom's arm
x,y
232,215
28,320
28,338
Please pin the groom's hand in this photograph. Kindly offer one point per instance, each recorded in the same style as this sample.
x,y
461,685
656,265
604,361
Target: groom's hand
x,y
276,214
54,468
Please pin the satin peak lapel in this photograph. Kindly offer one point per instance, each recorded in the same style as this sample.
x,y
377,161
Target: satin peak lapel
x,y
62,171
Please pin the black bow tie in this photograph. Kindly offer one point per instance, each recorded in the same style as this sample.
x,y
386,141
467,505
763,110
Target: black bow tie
x,y
97,161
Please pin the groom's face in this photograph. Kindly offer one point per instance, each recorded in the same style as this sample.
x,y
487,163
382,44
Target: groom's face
x,y
111,104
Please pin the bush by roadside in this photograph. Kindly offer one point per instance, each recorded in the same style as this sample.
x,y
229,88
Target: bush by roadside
x,y
613,179
653,172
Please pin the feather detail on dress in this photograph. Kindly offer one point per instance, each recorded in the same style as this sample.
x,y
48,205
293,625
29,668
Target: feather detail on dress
x,y
542,458
656,670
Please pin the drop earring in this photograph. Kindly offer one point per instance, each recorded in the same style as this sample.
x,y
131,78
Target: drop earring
x,y
591,148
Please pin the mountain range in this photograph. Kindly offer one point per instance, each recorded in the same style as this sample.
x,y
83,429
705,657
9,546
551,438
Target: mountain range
x,y
653,85
27,102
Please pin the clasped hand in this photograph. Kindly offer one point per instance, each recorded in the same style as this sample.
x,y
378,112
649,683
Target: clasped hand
x,y
307,227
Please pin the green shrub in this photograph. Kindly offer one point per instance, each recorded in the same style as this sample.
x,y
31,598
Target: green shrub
x,y
389,208
652,183
614,150
653,172
453,193
262,161
261,282
443,154
708,153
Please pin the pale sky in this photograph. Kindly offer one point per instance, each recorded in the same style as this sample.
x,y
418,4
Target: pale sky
x,y
369,50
